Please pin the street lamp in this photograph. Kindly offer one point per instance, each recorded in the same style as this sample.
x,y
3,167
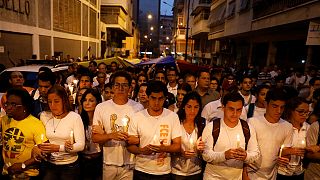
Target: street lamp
x,y
145,36
151,28
149,16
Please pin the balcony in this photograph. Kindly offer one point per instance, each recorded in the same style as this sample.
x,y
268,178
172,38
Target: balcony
x,y
200,23
200,6
123,4
263,8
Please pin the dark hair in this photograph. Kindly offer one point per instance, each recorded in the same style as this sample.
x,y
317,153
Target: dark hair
x,y
47,76
185,87
202,71
44,69
108,85
233,96
113,62
244,77
84,114
156,87
173,69
61,92
102,63
25,97
291,106
313,80
121,74
140,75
276,94
189,75
260,87
93,62
86,75
160,71
316,94
189,96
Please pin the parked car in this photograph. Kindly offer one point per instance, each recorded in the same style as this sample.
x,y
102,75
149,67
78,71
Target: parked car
x,y
30,73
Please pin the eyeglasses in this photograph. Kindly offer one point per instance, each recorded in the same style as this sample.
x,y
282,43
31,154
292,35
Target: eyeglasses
x,y
14,105
302,112
123,85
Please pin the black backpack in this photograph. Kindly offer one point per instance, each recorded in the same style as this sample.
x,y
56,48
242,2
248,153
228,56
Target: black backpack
x,y
216,131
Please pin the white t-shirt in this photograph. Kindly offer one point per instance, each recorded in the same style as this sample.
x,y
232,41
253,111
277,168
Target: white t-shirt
x,y
186,166
173,90
313,170
248,99
214,110
270,137
58,131
217,166
152,130
110,115
297,137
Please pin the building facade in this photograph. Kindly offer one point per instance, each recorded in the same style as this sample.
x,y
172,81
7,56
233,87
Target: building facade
x,y
180,22
41,29
118,23
263,32
165,40
148,23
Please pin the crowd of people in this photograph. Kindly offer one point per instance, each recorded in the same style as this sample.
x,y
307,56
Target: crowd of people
x,y
102,122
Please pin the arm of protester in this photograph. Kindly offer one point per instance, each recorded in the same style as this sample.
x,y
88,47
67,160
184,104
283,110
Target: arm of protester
x,y
253,152
209,155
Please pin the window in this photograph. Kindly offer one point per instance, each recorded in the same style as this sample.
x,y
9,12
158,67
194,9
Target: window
x,y
244,5
231,8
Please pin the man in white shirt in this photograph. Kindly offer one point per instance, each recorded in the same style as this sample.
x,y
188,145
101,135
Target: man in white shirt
x,y
214,109
172,77
111,120
272,132
227,154
157,129
245,90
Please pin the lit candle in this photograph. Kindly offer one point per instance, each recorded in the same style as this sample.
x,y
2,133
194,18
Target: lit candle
x,y
191,144
125,121
282,146
155,140
303,143
71,137
42,138
238,140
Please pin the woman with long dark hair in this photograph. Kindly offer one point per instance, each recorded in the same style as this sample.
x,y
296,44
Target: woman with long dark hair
x,y
65,131
91,159
296,112
187,164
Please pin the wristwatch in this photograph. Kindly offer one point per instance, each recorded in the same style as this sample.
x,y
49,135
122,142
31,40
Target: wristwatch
x,y
23,165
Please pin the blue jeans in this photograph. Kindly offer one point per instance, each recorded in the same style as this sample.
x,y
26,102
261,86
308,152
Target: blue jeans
x,y
61,172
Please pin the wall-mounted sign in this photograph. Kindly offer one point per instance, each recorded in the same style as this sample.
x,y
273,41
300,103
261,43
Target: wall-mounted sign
x,y
313,34
17,6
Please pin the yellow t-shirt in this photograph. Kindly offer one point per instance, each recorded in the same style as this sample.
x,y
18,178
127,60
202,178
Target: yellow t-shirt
x,y
19,137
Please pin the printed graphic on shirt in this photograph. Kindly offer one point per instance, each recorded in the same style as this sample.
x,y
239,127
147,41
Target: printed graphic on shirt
x,y
164,134
120,126
13,145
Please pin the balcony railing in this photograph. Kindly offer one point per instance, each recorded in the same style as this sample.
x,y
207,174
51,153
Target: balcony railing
x,y
265,7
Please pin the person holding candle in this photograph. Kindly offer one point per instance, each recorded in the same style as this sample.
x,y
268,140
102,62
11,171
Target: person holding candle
x,y
227,154
296,112
272,132
158,133
109,126
91,156
187,164
65,131
20,133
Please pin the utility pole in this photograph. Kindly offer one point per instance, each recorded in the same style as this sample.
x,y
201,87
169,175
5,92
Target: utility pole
x,y
187,33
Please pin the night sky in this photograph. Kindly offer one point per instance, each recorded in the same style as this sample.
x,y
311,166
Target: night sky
x,y
166,9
